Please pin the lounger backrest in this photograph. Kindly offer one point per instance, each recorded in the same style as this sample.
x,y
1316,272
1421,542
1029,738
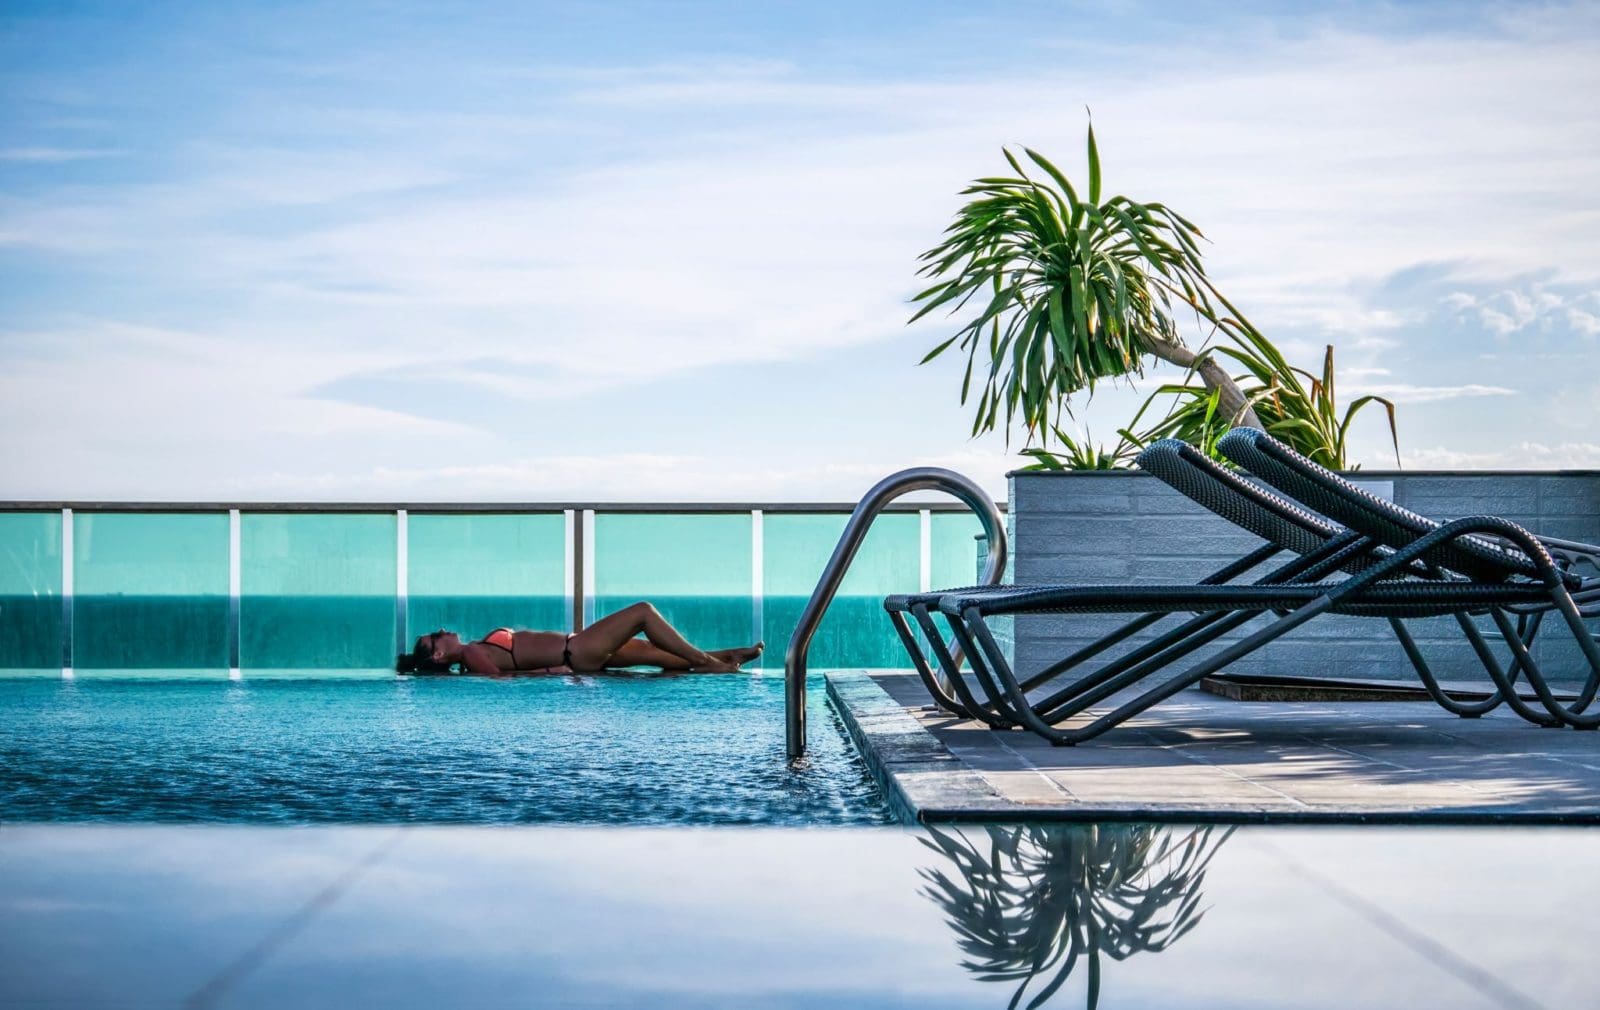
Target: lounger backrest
x,y
1384,521
1235,499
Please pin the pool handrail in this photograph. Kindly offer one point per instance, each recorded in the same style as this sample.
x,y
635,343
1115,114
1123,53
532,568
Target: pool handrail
x,y
921,478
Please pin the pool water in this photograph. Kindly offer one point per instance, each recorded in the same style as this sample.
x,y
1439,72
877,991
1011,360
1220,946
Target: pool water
x,y
600,750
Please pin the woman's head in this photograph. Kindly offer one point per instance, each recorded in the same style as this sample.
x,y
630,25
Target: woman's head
x,y
432,653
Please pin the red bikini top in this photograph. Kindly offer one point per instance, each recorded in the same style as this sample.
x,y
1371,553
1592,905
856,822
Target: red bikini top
x,y
501,637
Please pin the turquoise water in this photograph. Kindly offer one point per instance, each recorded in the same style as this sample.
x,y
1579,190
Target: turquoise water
x,y
605,750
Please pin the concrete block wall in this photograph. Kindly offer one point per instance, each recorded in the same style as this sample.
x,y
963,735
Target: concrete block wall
x,y
1127,527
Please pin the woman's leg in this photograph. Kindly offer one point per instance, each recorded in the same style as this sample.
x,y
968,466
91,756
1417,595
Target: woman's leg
x,y
597,643
637,652
634,652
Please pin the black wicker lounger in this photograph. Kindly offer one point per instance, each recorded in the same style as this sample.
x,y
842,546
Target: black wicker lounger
x,y
1284,526
1495,551
1381,581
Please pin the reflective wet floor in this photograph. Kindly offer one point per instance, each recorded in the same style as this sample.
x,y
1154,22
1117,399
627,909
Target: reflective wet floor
x,y
1057,916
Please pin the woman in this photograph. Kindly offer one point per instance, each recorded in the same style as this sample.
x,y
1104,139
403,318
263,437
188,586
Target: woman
x,y
606,644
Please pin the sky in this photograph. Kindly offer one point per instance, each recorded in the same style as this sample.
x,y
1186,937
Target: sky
x,y
665,251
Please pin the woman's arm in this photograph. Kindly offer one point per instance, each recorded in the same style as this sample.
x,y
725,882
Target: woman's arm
x,y
478,659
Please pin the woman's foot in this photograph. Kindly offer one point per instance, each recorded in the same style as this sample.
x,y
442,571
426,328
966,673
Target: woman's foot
x,y
747,655
739,657
730,660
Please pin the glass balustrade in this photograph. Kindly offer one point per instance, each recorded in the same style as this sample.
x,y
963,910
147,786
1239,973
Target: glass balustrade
x,y
317,591
30,593
150,592
696,569
474,573
325,592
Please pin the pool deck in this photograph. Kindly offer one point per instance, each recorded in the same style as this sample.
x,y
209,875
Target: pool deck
x,y
1200,757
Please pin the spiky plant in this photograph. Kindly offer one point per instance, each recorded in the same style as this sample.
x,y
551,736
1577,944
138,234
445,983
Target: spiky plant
x,y
1074,291
1081,454
1293,405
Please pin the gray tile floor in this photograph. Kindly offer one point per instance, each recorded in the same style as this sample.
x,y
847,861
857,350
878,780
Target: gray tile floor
x,y
1200,756
418,916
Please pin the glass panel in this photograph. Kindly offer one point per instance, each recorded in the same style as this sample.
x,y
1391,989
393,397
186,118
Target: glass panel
x,y
855,632
30,592
954,549
317,591
694,568
475,573
150,592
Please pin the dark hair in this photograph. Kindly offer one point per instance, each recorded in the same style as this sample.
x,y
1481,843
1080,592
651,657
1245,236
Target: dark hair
x,y
419,659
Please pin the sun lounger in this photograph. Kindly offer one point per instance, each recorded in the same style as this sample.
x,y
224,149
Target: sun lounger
x,y
1491,550
1332,569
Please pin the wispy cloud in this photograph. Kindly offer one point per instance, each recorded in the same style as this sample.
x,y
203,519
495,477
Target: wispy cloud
x,y
618,477
1403,392
565,232
1521,456
1511,310
54,155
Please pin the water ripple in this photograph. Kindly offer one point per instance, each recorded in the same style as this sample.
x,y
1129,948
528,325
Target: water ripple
x,y
702,750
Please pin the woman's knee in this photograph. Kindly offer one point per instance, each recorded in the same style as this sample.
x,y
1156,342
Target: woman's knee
x,y
644,608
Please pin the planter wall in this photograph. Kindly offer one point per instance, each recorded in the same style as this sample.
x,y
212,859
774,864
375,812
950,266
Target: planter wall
x,y
1129,527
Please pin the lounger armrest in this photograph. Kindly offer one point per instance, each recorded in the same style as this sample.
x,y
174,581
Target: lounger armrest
x,y
1514,536
1573,552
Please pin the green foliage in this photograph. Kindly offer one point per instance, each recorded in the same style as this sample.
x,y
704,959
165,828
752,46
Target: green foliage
x,y
1194,418
1082,455
1294,406
1075,290
1078,290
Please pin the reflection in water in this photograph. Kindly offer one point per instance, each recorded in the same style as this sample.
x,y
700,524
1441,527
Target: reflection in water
x,y
1029,901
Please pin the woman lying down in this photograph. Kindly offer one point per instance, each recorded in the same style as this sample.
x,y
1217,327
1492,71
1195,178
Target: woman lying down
x,y
608,644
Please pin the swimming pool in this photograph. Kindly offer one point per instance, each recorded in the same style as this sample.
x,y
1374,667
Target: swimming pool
x,y
604,750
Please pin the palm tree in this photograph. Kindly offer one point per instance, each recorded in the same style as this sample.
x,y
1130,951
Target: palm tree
x,y
1037,899
1077,290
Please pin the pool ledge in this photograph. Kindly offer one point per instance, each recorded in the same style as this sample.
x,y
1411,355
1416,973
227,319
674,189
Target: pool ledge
x,y
1198,758
919,777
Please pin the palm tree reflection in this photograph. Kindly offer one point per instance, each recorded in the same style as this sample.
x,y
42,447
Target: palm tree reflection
x,y
1029,901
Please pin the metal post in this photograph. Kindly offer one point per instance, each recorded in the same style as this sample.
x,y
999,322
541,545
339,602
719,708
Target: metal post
x,y
924,478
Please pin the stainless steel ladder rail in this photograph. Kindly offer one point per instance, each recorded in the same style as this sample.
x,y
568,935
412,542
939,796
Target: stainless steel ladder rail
x,y
922,478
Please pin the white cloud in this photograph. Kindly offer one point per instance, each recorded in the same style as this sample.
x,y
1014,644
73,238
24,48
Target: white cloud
x,y
1521,456
1532,306
801,476
777,214
1404,392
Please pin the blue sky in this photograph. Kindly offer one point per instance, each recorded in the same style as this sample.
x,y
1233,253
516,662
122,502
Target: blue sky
x,y
663,251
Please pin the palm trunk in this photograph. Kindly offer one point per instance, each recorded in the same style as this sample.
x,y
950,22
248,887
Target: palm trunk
x,y
1231,402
